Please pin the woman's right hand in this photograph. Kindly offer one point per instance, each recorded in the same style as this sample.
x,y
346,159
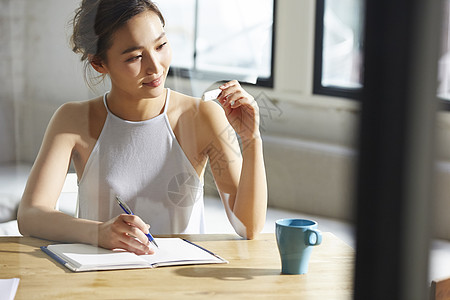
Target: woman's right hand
x,y
126,232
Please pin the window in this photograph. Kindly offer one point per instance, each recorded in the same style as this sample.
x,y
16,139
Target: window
x,y
338,48
221,39
444,60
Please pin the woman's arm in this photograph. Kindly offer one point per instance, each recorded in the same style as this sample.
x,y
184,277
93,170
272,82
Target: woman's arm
x,y
239,175
37,215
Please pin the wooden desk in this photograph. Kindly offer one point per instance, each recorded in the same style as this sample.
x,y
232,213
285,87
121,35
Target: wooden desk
x,y
253,271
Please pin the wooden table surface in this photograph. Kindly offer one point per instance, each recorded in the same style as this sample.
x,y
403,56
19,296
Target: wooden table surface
x,y
253,271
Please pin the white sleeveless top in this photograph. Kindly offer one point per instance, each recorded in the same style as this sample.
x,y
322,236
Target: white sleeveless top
x,y
143,164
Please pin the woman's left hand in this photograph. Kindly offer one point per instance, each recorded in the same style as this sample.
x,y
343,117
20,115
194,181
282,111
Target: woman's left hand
x,y
241,110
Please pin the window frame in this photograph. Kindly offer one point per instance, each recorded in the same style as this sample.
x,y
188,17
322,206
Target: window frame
x,y
196,74
318,88
444,103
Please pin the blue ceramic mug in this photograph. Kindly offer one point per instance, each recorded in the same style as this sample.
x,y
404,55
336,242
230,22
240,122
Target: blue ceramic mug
x,y
295,238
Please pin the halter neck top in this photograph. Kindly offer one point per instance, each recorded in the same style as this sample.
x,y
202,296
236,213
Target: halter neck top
x,y
142,163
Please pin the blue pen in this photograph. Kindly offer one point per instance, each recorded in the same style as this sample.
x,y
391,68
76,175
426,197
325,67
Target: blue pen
x,y
127,210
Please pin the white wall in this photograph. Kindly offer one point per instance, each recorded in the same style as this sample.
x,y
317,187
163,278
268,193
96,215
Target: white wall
x,y
43,72
312,170
7,119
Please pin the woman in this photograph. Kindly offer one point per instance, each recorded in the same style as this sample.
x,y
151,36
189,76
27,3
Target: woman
x,y
142,142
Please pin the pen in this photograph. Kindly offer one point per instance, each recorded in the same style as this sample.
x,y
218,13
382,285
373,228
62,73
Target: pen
x,y
127,210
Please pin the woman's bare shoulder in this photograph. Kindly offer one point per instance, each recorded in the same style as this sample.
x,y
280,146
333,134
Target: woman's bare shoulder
x,y
77,109
182,100
77,113
203,110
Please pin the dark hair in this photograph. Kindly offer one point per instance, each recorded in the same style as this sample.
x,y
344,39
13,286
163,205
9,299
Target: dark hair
x,y
96,21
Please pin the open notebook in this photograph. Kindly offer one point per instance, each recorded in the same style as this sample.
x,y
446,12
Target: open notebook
x,y
171,252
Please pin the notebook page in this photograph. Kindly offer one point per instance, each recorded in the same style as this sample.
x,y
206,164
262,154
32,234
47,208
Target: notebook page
x,y
91,256
176,249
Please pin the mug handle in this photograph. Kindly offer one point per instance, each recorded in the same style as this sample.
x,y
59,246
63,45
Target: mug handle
x,y
313,237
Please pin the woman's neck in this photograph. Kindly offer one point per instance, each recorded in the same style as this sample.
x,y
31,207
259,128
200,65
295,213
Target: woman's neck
x,y
135,109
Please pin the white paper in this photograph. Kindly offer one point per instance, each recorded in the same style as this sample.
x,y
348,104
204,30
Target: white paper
x,y
169,250
8,288
211,95
90,256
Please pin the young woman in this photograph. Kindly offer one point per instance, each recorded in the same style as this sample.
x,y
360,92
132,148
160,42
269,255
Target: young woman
x,y
142,142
